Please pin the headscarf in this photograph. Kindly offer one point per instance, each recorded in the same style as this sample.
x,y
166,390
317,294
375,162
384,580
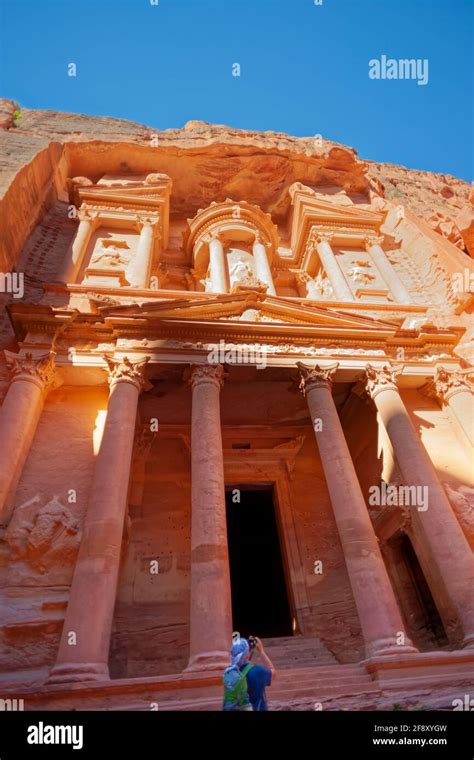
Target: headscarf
x,y
238,650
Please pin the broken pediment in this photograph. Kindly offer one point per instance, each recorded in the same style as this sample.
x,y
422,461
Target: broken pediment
x,y
252,306
350,224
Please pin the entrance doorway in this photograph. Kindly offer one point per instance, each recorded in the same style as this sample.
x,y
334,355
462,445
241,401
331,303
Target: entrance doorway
x,y
260,603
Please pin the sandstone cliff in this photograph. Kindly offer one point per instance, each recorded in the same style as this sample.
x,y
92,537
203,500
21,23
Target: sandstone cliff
x,y
40,147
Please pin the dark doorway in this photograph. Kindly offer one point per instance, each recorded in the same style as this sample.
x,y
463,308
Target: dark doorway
x,y
259,596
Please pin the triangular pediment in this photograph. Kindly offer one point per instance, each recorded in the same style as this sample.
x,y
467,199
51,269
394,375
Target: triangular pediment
x,y
249,308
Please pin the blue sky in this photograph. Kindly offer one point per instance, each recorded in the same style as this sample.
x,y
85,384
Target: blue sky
x,y
303,68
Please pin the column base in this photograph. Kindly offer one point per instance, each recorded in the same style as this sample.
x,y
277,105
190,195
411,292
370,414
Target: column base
x,y
385,647
468,641
208,661
78,672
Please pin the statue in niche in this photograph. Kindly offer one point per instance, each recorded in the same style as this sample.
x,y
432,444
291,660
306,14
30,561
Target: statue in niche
x,y
359,272
241,274
110,254
43,535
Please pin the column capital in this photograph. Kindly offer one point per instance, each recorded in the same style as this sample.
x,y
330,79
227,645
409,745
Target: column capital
x,y
87,214
40,370
373,239
259,239
212,235
207,373
446,383
321,236
381,378
146,220
125,371
315,377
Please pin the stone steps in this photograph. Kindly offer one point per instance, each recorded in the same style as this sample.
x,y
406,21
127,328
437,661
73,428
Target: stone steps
x,y
308,685
298,651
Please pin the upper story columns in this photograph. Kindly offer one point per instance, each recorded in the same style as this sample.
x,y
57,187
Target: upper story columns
x,y
123,226
388,273
232,244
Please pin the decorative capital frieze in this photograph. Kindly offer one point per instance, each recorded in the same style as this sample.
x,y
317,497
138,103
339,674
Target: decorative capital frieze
x,y
146,220
381,379
85,214
259,238
315,377
40,370
373,239
207,373
446,383
125,371
320,236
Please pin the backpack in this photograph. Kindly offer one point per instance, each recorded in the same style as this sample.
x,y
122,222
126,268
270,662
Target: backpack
x,y
236,696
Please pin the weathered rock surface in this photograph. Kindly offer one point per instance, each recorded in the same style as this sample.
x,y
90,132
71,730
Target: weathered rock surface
x,y
38,145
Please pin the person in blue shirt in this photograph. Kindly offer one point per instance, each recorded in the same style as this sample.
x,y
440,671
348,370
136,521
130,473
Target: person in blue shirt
x,y
259,676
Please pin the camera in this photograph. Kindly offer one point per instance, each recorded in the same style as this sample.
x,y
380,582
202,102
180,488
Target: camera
x,y
252,643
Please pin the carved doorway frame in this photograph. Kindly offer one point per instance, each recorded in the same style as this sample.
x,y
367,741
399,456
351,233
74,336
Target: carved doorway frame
x,y
248,467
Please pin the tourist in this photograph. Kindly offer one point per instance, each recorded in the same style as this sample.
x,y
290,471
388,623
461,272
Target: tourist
x,y
245,682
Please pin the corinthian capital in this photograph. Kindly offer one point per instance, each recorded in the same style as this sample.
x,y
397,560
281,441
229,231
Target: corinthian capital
x,y
40,370
125,371
85,214
373,239
315,377
150,220
447,383
381,378
207,373
320,236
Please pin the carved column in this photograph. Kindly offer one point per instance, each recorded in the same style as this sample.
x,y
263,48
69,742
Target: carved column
x,y
386,270
262,267
75,254
441,532
85,641
32,378
217,265
211,608
139,276
455,389
341,289
379,616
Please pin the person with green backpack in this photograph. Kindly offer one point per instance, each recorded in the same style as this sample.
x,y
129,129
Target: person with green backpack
x,y
244,682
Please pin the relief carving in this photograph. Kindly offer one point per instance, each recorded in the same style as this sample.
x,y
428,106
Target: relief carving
x,y
43,534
